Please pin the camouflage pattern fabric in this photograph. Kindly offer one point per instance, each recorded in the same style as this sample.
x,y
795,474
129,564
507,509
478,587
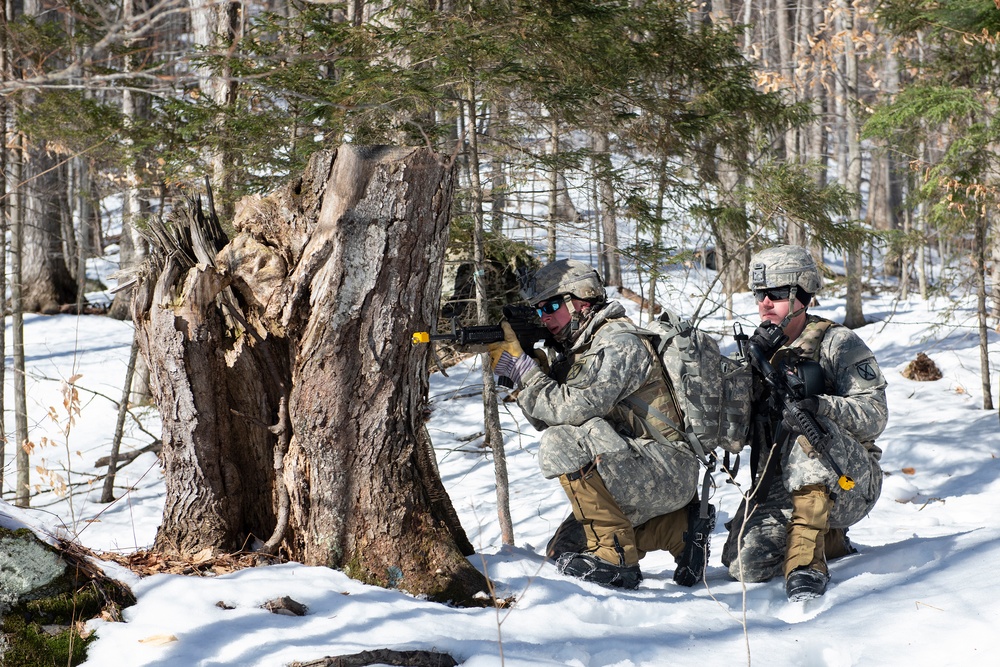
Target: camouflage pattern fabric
x,y
607,364
854,412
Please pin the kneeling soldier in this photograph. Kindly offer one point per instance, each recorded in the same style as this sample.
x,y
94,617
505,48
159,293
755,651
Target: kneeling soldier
x,y
804,513
630,492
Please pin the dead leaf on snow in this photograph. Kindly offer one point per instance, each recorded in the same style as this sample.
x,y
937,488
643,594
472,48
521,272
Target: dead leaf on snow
x,y
158,640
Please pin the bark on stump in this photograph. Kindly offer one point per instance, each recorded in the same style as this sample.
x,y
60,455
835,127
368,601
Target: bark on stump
x,y
292,400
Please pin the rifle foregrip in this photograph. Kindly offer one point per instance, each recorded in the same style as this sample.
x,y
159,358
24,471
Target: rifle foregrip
x,y
808,425
483,335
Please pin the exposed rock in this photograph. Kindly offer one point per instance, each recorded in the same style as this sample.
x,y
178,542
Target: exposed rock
x,y
29,568
49,588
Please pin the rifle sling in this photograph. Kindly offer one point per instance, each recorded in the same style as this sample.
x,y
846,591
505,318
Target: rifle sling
x,y
762,488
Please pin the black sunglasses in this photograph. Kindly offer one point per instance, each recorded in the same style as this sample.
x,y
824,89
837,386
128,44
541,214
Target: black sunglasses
x,y
774,294
549,307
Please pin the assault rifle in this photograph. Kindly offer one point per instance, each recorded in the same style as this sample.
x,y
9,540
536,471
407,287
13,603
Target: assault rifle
x,y
522,319
790,389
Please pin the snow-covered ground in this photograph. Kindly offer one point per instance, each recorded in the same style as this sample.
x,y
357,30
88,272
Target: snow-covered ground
x,y
921,591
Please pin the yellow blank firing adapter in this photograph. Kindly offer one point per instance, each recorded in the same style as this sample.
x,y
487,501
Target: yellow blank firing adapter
x,y
421,337
845,482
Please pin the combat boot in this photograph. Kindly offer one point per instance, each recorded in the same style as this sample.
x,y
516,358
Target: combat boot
x,y
589,567
568,538
611,557
806,574
691,563
838,544
805,584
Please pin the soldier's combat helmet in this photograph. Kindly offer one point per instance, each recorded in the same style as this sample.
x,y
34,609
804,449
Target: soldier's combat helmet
x,y
785,266
565,276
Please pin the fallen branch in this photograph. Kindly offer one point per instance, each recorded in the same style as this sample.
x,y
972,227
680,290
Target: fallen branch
x,y
128,457
384,656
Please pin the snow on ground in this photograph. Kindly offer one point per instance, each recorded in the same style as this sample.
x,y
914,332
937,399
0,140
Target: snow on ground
x,y
920,592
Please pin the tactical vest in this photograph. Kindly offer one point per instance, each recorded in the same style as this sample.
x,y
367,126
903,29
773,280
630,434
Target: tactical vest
x,y
806,346
656,391
809,342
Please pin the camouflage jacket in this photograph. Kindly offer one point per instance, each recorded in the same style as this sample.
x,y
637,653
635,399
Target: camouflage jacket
x,y
854,395
606,364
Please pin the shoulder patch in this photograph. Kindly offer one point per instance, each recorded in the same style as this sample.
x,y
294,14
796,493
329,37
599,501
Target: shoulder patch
x,y
866,369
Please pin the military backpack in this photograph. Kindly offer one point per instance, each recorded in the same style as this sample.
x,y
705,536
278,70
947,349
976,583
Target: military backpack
x,y
713,391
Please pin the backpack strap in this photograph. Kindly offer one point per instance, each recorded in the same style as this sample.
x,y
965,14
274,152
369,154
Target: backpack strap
x,y
659,342
638,406
692,441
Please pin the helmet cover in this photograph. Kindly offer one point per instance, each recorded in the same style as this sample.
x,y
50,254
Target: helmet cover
x,y
784,266
565,276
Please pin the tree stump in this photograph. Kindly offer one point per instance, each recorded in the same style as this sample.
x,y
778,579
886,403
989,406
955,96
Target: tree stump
x,y
292,399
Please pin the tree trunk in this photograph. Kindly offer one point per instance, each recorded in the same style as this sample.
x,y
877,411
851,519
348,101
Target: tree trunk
x,y
498,176
21,483
81,191
610,258
491,413
817,135
218,26
979,264
47,282
886,198
6,74
731,250
293,403
553,187
135,111
854,316
994,241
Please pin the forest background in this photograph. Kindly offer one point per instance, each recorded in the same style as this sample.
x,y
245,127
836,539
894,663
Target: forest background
x,y
867,129
651,134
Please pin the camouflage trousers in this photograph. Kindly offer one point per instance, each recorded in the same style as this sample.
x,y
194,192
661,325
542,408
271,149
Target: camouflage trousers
x,y
646,478
760,554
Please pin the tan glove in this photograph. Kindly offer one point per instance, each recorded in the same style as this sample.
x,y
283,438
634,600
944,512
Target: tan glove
x,y
509,344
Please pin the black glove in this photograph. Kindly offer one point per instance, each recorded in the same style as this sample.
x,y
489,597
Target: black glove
x,y
808,405
768,337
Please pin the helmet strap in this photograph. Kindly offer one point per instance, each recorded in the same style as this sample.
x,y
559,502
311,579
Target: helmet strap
x,y
574,321
792,314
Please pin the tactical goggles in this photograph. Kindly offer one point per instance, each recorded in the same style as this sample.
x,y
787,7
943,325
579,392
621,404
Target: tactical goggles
x,y
773,293
549,307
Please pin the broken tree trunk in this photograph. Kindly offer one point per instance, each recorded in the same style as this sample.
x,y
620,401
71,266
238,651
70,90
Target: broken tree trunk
x,y
292,400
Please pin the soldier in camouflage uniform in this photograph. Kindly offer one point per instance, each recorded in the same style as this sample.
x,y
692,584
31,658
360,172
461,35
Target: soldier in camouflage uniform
x,y
802,521
629,492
